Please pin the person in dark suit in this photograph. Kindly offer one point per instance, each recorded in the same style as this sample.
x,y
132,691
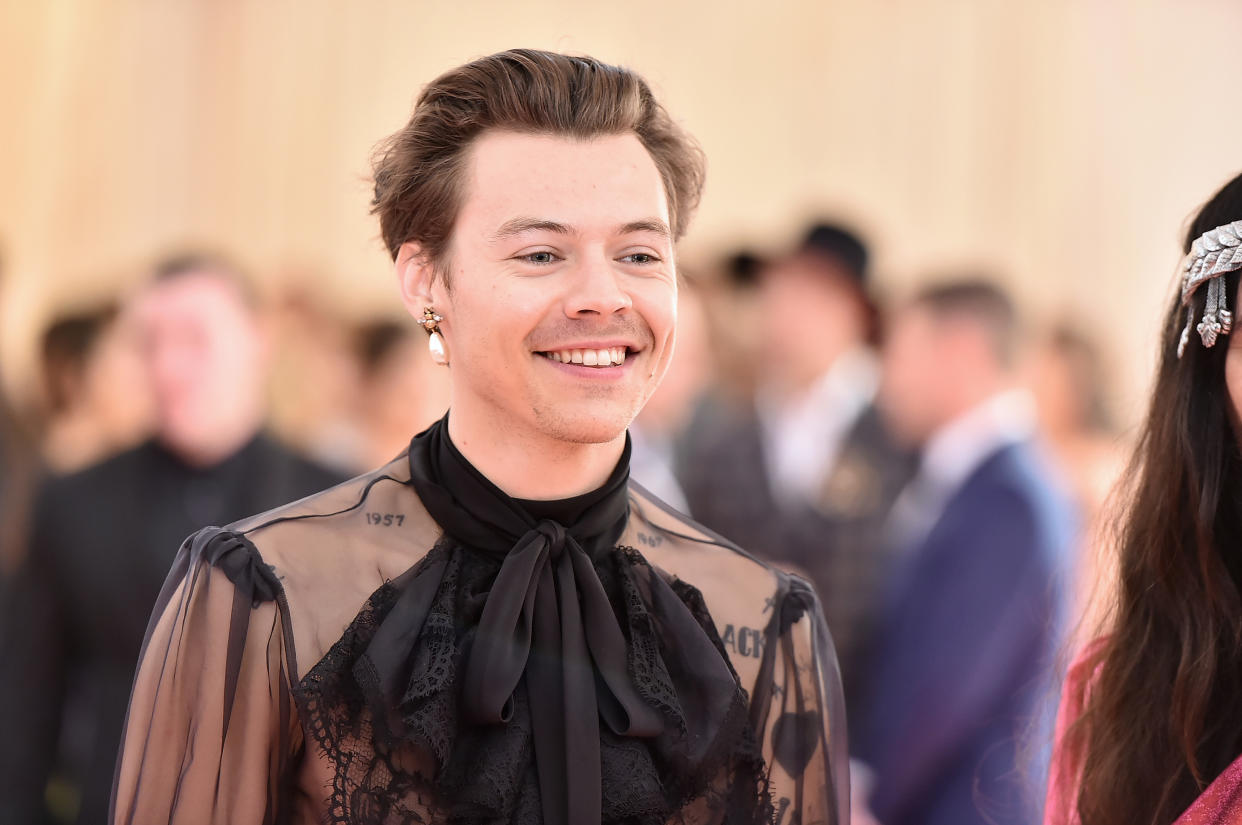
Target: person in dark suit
x,y
970,622
102,539
804,473
18,468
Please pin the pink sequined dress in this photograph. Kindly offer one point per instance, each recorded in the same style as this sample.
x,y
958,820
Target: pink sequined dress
x,y
1220,804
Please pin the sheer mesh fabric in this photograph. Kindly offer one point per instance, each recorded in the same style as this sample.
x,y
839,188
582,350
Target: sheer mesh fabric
x,y
211,731
249,705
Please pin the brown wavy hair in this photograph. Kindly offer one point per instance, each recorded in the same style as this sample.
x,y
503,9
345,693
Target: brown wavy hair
x,y
1162,714
418,170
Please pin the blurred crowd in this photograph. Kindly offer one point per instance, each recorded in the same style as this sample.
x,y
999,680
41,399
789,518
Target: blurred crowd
x,y
937,466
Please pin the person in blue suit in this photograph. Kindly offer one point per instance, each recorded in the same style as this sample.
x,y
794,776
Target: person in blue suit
x,y
961,668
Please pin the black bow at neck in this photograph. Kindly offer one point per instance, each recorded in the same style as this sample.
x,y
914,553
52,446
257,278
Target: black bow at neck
x,y
547,619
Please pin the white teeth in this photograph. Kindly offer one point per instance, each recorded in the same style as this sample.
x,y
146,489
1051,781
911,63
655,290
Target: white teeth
x,y
590,357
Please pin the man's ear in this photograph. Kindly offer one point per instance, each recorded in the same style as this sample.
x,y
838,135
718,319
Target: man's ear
x,y
415,273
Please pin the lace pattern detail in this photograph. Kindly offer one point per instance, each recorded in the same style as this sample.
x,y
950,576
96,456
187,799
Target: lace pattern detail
x,y
751,800
422,762
646,667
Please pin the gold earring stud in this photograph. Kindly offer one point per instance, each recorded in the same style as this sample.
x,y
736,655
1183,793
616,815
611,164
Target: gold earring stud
x,y
430,320
435,341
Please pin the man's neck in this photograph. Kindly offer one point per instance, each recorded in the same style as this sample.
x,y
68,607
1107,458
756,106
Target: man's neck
x,y
970,397
207,455
955,449
790,381
533,465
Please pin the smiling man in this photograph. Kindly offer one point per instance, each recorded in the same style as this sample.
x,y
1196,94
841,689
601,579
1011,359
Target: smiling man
x,y
499,626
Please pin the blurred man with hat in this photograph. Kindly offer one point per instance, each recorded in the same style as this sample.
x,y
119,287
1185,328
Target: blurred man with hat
x,y
807,472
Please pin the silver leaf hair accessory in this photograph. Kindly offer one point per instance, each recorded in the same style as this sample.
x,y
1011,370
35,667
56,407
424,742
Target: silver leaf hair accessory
x,y
1213,253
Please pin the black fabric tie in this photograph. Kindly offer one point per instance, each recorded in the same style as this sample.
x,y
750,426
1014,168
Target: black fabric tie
x,y
547,620
471,687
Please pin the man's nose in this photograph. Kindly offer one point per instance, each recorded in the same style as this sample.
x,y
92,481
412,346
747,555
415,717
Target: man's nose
x,y
596,289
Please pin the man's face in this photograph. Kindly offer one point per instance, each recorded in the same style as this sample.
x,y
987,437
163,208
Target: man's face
x,y
917,368
819,315
203,353
561,302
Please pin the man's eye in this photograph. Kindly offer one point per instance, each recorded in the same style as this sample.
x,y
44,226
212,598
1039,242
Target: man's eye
x,y
640,258
544,257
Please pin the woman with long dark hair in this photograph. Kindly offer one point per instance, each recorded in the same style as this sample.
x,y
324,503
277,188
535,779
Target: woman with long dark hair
x,y
1151,723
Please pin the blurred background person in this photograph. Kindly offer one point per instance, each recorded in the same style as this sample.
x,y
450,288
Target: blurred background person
x,y
95,398
102,539
724,398
658,431
314,372
398,392
728,291
1073,388
970,615
18,470
805,471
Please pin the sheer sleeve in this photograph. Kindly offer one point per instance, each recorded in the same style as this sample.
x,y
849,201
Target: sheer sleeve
x,y
208,732
798,710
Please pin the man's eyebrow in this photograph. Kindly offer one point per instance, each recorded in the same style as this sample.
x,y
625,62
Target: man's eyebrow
x,y
517,226
659,227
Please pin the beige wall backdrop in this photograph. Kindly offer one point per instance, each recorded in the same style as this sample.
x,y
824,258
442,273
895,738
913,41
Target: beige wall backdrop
x,y
1064,142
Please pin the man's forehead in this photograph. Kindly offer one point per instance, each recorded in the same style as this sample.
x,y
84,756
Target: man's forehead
x,y
193,293
609,180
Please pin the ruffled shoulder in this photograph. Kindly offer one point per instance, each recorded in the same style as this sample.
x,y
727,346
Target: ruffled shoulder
x,y
796,598
237,557
326,554
211,717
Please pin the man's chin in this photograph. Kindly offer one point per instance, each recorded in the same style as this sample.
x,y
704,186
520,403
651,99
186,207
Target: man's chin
x,y
584,426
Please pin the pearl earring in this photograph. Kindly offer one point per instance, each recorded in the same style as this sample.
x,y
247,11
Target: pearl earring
x,y
435,341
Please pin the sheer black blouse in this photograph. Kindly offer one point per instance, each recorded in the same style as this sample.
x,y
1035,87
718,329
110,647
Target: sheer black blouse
x,y
415,646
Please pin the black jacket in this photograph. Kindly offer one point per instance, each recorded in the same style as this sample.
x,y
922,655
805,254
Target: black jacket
x,y
836,540
72,619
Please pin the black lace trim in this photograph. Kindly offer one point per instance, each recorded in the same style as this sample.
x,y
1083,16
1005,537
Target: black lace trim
x,y
420,762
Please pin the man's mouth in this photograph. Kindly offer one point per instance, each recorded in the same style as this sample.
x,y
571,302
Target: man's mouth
x,y
608,357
